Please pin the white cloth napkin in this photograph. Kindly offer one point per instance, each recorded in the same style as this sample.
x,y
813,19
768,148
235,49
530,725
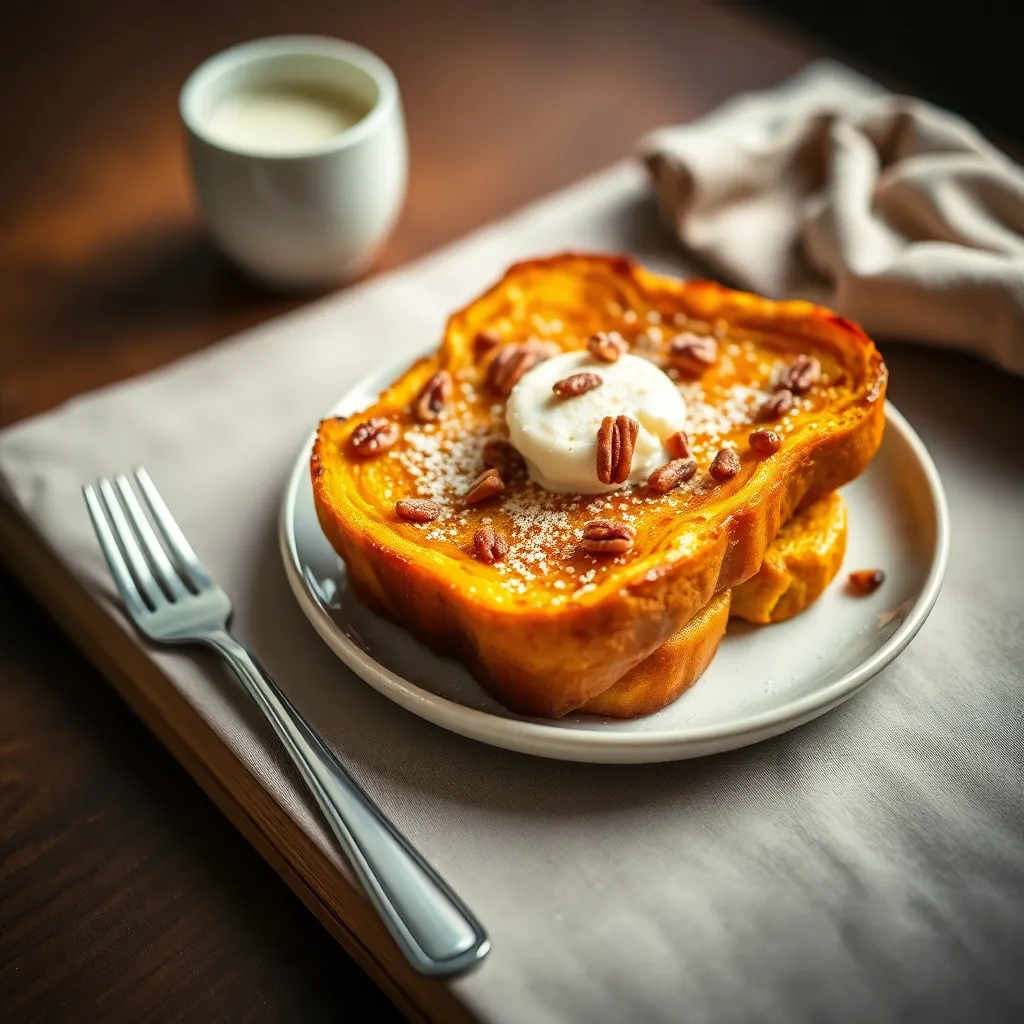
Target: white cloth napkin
x,y
891,211
865,867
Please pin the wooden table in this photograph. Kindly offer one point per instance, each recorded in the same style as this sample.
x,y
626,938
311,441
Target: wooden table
x,y
123,893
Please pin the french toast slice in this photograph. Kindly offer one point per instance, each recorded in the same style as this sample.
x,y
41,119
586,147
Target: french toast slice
x,y
798,565
551,626
671,670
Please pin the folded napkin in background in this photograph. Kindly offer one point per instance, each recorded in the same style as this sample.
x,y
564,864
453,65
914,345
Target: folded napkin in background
x,y
893,212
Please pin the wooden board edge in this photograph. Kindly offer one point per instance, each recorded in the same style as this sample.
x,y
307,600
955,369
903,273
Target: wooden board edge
x,y
335,902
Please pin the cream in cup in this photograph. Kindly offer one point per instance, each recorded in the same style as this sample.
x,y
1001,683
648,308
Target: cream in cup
x,y
298,152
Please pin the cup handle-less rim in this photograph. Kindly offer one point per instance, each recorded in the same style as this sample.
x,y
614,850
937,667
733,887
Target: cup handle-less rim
x,y
271,47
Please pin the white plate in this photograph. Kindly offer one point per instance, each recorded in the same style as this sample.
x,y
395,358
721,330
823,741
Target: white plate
x,y
764,680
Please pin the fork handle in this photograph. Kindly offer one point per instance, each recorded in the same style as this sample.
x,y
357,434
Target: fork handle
x,y
437,933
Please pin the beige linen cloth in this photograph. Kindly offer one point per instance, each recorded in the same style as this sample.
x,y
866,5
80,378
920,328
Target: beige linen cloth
x,y
893,212
868,866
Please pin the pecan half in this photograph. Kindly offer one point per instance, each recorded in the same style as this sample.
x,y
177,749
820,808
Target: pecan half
x,y
577,384
435,397
510,362
607,346
502,455
725,465
671,475
604,537
489,546
692,354
499,365
678,445
418,510
765,442
800,376
374,436
777,406
615,440
486,485
865,581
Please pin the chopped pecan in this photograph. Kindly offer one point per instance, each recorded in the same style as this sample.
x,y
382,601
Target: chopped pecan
x,y
485,341
678,445
435,397
800,376
604,537
490,547
502,455
607,346
777,405
725,465
418,510
485,486
671,475
765,442
692,354
510,362
615,440
374,436
577,384
865,581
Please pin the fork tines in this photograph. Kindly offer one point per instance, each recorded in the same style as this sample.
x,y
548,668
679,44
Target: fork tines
x,y
150,571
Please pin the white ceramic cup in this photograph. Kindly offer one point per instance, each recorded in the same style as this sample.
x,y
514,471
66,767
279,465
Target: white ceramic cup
x,y
311,217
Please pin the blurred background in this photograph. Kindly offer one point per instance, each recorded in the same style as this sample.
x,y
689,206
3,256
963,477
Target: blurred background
x,y
965,57
504,101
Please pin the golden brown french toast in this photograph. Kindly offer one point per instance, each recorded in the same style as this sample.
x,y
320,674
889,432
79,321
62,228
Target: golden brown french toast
x,y
671,670
496,570
799,563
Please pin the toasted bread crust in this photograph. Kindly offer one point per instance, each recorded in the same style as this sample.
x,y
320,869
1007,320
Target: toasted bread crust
x,y
671,670
538,651
798,565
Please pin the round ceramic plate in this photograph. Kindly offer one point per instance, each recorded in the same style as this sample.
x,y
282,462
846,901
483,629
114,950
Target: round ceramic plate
x,y
764,681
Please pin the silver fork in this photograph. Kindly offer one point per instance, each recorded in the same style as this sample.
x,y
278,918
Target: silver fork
x,y
172,600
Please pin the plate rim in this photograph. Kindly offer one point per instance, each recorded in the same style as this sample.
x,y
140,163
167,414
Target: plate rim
x,y
537,737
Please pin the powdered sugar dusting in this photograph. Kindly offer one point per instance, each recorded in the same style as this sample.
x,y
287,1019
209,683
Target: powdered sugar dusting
x,y
733,408
443,458
543,530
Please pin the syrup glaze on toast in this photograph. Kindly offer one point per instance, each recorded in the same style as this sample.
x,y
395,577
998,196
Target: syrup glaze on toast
x,y
550,626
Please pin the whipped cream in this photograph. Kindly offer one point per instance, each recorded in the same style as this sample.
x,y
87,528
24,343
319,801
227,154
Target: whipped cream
x,y
558,436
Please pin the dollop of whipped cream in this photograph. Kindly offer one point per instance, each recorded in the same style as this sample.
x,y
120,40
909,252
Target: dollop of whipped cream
x,y
558,436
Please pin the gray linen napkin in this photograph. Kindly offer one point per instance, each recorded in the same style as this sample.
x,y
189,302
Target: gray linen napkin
x,y
867,866
893,212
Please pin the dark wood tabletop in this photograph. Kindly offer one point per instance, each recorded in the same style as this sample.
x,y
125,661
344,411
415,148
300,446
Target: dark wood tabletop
x,y
123,894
